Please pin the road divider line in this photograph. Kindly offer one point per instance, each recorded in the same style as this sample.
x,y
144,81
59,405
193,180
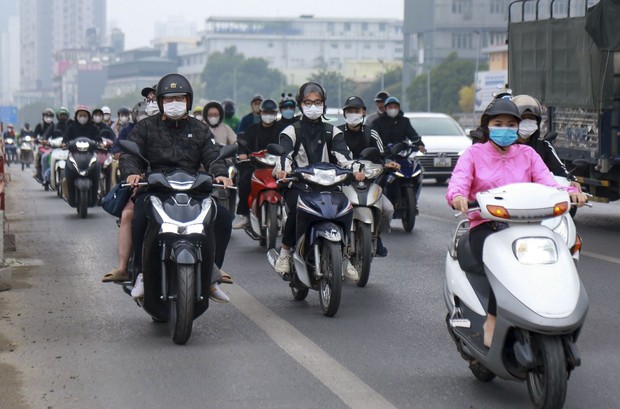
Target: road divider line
x,y
601,257
343,383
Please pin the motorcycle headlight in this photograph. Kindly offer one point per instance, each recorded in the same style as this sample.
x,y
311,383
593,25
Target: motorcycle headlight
x,y
324,177
268,159
371,172
82,146
535,250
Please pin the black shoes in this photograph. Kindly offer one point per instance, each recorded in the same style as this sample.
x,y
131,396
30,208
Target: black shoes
x,y
382,251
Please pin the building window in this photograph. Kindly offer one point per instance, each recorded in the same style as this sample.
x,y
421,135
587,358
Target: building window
x,y
364,26
462,6
498,7
334,45
382,26
347,26
331,27
381,46
367,46
461,40
347,46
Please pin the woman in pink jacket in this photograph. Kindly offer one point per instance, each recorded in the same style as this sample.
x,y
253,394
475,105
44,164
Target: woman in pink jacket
x,y
495,162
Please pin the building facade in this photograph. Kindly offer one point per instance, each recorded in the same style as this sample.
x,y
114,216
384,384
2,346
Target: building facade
x,y
298,47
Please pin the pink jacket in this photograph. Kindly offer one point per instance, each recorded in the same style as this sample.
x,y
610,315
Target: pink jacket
x,y
482,167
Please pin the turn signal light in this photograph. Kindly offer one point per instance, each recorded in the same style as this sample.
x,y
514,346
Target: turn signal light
x,y
577,247
498,211
560,208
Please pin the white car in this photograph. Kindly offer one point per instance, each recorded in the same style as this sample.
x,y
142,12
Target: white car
x,y
444,139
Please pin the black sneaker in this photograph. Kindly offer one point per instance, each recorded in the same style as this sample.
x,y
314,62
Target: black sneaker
x,y
382,251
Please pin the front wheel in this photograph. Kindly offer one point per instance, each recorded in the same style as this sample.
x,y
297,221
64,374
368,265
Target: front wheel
x,y
363,252
331,283
83,204
409,209
271,226
547,382
182,307
59,175
299,293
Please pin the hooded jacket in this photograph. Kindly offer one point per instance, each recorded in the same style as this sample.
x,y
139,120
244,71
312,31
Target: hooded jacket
x,y
224,135
76,130
395,130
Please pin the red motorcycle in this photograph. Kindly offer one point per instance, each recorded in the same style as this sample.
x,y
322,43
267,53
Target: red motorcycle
x,y
265,201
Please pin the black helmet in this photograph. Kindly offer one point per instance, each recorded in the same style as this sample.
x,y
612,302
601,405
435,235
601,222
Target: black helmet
x,y
528,104
174,84
146,90
499,107
309,87
381,96
229,107
138,109
287,101
123,111
269,105
47,112
354,102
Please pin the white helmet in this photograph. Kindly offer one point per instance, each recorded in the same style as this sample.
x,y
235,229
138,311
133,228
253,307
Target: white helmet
x,y
106,109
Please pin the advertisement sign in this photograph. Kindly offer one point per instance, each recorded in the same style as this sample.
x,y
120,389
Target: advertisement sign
x,y
487,83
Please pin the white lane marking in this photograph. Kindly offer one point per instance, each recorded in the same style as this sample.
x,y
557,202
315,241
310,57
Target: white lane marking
x,y
583,253
342,382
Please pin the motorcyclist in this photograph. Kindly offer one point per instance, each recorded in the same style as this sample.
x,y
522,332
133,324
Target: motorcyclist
x,y
26,131
82,126
198,113
62,124
496,161
97,116
193,147
309,141
9,133
255,139
107,116
230,118
214,116
40,131
10,150
150,99
380,104
123,120
287,107
253,117
529,134
358,137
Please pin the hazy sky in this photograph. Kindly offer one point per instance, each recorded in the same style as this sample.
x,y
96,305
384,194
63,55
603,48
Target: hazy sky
x,y
137,18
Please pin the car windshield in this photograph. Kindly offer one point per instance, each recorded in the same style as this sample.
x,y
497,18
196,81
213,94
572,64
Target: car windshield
x,y
436,127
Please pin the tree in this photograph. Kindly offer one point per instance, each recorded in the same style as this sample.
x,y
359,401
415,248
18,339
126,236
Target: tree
x,y
32,113
466,98
229,74
337,87
127,100
446,80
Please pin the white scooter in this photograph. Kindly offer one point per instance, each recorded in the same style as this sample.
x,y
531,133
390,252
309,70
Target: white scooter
x,y
541,302
58,159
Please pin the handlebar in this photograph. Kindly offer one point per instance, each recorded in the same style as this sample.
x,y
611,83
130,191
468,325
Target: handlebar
x,y
219,185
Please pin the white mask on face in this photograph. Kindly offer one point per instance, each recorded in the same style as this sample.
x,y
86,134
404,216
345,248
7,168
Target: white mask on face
x,y
268,118
213,120
106,117
527,127
151,108
198,117
123,119
82,119
392,113
175,109
97,119
48,119
354,119
313,112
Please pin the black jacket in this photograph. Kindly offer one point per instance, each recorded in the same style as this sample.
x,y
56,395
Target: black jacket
x,y
395,130
361,139
173,144
549,156
257,137
41,128
88,130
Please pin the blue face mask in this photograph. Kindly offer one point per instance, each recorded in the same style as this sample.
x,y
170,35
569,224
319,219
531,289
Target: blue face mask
x,y
502,136
288,113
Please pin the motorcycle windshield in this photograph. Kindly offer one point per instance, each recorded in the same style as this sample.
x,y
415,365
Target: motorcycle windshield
x,y
180,180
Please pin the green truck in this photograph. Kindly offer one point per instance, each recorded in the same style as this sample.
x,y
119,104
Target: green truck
x,y
567,54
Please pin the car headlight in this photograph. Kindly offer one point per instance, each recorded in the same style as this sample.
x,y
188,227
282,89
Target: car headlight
x,y
535,250
324,177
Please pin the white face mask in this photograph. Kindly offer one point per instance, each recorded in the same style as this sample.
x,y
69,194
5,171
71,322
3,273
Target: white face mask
x,y
175,109
82,119
313,112
106,117
123,119
97,119
198,117
527,127
354,119
213,120
151,108
392,113
48,119
268,119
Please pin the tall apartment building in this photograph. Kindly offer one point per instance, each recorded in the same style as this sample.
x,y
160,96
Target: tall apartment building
x,y
358,48
9,51
49,26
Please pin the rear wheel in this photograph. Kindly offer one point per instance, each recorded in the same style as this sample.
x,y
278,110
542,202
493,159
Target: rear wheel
x,y
331,283
182,308
362,258
409,209
83,204
546,383
271,226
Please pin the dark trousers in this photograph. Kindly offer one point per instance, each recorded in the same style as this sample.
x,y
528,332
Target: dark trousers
x,y
290,198
477,236
222,228
244,187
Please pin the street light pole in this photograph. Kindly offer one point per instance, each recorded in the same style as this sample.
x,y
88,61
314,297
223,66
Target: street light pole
x,y
382,74
476,76
235,84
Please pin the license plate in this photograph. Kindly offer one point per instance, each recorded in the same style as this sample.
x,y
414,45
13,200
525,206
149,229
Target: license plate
x,y
442,162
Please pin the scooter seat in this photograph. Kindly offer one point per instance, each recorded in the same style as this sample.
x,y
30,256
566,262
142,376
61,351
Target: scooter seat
x,y
466,259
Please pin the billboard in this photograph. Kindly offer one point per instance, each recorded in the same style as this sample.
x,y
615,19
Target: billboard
x,y
8,115
487,83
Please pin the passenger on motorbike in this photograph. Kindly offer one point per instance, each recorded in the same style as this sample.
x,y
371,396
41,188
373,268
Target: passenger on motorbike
x,y
193,147
529,134
107,116
380,104
223,134
40,131
287,107
198,113
62,124
496,161
255,139
309,141
358,137
123,119
97,115
230,118
253,117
